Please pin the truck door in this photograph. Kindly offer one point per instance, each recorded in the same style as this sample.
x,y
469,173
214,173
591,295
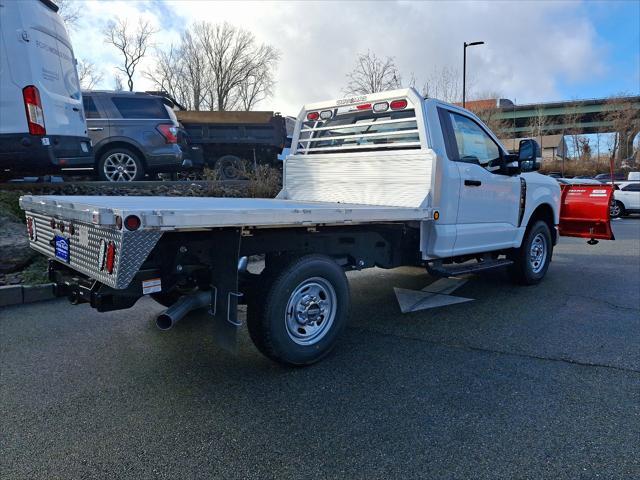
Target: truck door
x,y
489,201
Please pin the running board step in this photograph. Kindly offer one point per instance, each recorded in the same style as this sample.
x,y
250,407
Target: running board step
x,y
454,271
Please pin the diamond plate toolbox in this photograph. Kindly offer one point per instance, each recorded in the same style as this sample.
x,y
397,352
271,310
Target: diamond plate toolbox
x,y
132,248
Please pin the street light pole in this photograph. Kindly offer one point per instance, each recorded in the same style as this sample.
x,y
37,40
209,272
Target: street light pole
x,y
464,69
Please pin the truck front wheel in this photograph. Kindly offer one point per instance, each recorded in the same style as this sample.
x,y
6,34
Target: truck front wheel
x,y
531,260
298,317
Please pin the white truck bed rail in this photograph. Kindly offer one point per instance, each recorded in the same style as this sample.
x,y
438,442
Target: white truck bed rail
x,y
188,213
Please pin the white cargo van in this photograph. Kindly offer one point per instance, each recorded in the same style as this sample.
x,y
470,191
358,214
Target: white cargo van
x,y
42,122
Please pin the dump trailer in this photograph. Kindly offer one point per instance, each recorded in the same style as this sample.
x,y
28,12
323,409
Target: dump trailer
x,y
231,142
381,180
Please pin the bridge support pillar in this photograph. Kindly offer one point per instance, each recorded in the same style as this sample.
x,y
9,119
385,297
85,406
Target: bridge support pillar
x,y
625,147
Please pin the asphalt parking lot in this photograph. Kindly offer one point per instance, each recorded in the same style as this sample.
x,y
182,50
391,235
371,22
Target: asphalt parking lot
x,y
537,382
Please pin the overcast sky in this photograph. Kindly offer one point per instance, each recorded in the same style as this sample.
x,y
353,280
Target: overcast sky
x,y
534,51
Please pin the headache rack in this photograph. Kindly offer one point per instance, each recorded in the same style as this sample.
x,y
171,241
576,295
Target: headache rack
x,y
360,124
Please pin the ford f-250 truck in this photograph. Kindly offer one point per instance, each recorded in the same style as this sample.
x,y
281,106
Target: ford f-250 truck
x,y
383,180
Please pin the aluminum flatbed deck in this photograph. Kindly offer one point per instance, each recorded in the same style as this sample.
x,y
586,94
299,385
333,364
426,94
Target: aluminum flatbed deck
x,y
186,213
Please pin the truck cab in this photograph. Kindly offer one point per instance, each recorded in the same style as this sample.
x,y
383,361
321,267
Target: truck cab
x,y
398,149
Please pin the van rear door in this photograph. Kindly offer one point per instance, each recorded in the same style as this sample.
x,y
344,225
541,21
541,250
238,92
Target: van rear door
x,y
53,69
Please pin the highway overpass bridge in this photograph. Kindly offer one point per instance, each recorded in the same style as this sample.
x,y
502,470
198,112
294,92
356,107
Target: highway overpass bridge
x,y
576,117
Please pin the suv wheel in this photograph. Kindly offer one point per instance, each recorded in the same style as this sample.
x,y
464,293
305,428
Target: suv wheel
x,y
120,165
616,209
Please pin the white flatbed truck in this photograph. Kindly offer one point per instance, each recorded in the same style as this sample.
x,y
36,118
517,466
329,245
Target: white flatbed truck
x,y
385,180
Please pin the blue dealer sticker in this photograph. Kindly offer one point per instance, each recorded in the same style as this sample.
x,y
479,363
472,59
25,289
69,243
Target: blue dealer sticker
x,y
62,248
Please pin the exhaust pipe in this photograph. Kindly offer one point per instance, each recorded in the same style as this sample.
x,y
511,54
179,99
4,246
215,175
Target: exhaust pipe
x,y
184,305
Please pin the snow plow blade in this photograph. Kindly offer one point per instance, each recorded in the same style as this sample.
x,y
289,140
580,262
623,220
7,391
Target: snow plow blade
x,y
584,212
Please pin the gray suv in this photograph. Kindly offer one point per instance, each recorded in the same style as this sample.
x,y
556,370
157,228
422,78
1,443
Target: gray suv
x,y
133,134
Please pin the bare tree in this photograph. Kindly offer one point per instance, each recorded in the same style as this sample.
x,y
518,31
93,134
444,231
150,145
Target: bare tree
x,y
492,118
574,117
624,118
117,83
255,88
70,11
444,85
234,58
196,69
88,74
372,74
167,75
216,67
132,45
537,124
584,149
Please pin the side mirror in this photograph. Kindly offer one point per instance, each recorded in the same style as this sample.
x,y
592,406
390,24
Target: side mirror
x,y
529,155
510,165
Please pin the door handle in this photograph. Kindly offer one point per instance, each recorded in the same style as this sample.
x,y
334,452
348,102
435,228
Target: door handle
x,y
95,129
472,183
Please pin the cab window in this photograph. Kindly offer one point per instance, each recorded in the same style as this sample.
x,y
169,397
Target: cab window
x,y
473,143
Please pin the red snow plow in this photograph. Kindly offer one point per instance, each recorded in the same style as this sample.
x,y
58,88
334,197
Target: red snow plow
x,y
584,212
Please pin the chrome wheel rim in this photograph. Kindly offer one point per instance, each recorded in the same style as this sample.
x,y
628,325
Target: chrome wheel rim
x,y
120,167
310,312
614,210
538,253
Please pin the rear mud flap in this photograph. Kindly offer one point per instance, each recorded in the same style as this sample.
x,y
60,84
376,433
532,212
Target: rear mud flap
x,y
584,212
225,295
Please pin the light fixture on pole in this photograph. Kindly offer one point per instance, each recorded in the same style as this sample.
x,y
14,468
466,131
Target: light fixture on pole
x,y
464,69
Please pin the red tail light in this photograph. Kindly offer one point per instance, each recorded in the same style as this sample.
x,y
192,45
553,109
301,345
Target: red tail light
x,y
313,116
33,108
398,104
110,257
132,222
169,132
31,229
364,106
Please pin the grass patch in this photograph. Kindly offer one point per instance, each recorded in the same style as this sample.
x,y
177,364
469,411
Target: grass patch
x,y
37,272
264,182
9,206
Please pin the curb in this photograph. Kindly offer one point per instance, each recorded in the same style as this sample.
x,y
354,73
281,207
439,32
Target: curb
x,y
20,294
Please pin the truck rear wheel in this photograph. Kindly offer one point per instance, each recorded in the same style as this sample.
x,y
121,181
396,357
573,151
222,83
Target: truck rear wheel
x,y
531,260
298,317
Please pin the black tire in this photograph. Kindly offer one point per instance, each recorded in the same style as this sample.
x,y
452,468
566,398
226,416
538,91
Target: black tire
x,y
617,209
525,269
133,168
229,167
269,324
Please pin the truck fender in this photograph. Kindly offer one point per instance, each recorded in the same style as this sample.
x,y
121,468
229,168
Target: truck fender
x,y
541,202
